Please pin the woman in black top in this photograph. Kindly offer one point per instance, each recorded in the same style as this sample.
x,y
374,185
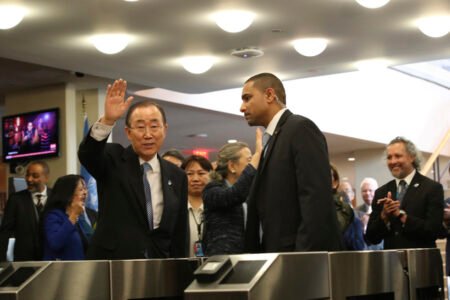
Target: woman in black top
x,y
224,195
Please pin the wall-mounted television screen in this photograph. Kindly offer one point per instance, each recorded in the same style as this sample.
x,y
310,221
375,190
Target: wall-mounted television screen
x,y
30,135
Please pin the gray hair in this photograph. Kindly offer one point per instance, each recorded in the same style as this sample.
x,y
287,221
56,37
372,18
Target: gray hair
x,y
411,149
228,152
369,180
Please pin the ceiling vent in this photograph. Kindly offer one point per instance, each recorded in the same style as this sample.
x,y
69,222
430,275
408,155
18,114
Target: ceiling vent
x,y
247,52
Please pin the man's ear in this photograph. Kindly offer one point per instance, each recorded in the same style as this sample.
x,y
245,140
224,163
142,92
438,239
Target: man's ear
x,y
231,167
128,132
270,94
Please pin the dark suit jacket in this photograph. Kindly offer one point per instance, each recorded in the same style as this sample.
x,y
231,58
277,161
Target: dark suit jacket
x,y
424,205
20,221
291,194
122,231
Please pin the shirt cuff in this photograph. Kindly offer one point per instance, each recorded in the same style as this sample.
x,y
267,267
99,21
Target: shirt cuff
x,y
100,131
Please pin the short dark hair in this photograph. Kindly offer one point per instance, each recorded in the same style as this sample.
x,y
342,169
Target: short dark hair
x,y
202,161
411,149
174,153
264,81
42,163
62,192
144,103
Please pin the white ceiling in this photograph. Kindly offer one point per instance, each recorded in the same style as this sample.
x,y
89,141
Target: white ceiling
x,y
55,34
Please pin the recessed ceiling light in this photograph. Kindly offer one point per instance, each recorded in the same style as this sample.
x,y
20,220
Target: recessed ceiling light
x,y
131,0
310,46
234,20
11,16
372,64
110,43
372,3
435,27
198,135
232,141
197,64
351,158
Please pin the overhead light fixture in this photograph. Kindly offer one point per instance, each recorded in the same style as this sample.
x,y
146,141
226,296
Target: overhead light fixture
x,y
234,20
351,158
310,46
110,43
232,141
372,3
197,64
11,16
371,65
435,27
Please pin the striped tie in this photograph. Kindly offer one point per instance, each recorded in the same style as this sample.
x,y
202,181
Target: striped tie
x,y
401,190
148,194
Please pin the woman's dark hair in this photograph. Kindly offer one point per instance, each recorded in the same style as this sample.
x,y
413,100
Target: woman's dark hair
x,y
62,192
203,162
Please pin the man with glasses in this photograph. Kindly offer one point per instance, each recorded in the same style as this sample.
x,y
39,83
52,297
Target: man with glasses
x,y
142,198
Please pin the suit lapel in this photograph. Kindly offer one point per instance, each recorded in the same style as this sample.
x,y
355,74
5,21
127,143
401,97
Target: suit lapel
x,y
273,139
135,182
412,189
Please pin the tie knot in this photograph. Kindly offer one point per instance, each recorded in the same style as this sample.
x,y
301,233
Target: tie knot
x,y
402,184
39,196
146,167
265,139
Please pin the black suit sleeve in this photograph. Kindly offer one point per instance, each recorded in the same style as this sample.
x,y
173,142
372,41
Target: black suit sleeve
x,y
318,229
90,154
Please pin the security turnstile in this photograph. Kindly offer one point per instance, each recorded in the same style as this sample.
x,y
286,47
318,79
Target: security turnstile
x,y
263,276
55,280
151,279
369,275
425,272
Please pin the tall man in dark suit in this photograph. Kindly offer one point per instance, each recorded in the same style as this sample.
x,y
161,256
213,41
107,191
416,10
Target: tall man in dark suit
x,y
142,198
290,206
22,215
407,212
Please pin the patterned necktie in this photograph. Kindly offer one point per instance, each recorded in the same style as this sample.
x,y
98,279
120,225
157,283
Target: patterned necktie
x,y
39,204
148,194
401,190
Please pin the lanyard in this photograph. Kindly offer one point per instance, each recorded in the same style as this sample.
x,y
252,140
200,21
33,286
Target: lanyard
x,y
199,225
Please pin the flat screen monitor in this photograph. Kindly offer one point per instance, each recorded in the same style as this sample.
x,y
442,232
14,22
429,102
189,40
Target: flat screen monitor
x,y
31,135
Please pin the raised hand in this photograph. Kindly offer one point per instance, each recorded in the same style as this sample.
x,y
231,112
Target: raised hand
x,y
115,103
258,149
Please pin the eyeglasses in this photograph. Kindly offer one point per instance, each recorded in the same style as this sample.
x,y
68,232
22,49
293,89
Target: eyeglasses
x,y
154,128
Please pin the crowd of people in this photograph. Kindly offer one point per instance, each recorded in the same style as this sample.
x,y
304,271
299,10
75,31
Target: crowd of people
x,y
284,197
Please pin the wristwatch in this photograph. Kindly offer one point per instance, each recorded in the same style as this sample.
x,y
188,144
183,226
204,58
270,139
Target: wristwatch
x,y
401,213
